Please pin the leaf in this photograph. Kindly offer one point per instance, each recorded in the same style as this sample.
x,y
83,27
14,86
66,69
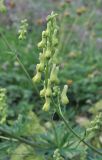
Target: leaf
x,y
4,146
27,124
96,108
23,152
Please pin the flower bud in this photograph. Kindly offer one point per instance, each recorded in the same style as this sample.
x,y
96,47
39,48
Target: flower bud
x,y
41,57
48,90
57,155
46,106
42,92
40,67
23,29
45,34
37,77
64,98
48,54
53,75
56,90
55,42
95,125
51,17
42,43
81,10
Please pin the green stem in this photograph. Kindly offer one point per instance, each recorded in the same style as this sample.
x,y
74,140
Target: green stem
x,y
74,133
6,138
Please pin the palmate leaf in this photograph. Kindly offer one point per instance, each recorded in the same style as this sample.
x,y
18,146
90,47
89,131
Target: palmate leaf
x,y
24,152
27,124
68,144
65,138
5,147
73,148
72,152
47,139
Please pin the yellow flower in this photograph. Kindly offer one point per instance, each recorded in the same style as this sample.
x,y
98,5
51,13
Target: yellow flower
x,y
66,14
81,10
37,77
46,106
64,98
69,82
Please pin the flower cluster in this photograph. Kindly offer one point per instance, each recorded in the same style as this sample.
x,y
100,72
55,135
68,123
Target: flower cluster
x,y
2,6
96,124
57,156
3,106
47,65
23,29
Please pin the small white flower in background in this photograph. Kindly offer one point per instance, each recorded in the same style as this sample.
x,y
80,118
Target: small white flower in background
x,y
23,29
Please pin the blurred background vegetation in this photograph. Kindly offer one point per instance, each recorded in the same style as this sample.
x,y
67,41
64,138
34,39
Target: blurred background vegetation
x,y
79,51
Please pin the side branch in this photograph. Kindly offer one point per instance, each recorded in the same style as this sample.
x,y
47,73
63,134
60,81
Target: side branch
x,y
75,134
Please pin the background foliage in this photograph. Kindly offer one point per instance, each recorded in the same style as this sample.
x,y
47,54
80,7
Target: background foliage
x,y
80,63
